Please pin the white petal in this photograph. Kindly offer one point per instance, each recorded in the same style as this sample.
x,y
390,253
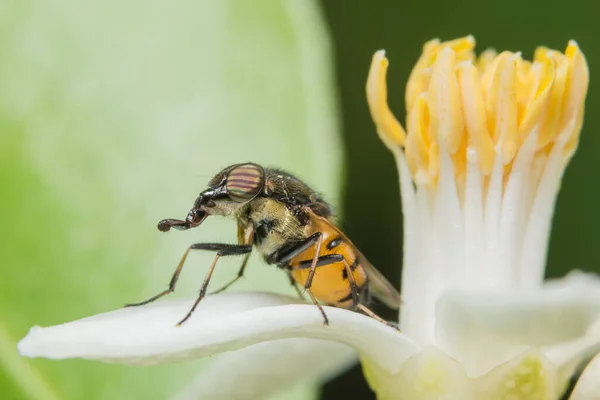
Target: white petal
x,y
507,324
228,321
268,368
428,375
526,377
569,355
433,375
588,385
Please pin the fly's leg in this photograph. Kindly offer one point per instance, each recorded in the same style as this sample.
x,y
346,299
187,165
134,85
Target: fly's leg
x,y
353,286
376,317
354,289
283,256
239,275
222,250
295,285
245,237
197,246
323,260
172,284
319,306
355,301
313,266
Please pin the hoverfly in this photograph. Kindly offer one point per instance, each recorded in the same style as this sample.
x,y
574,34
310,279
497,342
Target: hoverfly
x,y
290,225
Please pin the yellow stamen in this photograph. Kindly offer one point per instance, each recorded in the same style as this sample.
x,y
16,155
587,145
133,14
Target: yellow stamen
x,y
534,88
486,106
444,102
500,91
389,129
577,84
473,105
485,59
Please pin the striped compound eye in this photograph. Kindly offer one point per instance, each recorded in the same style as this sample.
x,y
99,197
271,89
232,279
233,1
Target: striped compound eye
x,y
244,182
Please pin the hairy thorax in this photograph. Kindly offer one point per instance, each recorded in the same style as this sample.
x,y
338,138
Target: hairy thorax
x,y
275,224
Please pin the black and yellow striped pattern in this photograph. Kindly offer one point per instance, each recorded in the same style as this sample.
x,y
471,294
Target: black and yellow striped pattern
x,y
245,181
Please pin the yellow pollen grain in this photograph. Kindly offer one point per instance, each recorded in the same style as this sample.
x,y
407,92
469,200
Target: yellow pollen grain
x,y
483,107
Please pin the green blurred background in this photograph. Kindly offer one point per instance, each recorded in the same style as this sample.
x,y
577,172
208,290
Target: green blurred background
x,y
114,114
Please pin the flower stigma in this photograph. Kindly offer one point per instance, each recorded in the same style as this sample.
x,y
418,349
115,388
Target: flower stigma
x,y
486,142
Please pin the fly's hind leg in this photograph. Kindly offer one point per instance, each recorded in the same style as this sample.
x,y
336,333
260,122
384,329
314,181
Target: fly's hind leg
x,y
356,304
365,310
353,285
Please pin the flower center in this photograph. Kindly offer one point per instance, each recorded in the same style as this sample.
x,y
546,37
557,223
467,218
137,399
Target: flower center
x,y
480,163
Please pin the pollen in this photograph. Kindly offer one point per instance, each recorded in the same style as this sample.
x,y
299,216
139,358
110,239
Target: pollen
x,y
482,109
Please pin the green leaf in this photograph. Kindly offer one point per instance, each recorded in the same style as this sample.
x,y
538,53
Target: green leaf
x,y
114,115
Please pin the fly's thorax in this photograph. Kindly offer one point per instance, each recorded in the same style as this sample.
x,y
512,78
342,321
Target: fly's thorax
x,y
275,224
285,187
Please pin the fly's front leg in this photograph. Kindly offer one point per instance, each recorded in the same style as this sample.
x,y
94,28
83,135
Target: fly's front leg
x,y
245,236
172,283
222,250
239,276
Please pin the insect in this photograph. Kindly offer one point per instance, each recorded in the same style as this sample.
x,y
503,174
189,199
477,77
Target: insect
x,y
291,226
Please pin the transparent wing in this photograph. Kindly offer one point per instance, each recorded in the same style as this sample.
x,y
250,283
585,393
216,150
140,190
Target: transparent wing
x,y
381,287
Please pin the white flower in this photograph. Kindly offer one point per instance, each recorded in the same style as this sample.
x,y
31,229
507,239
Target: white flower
x,y
480,165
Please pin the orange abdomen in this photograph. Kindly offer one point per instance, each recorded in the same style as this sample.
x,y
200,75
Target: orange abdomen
x,y
331,283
